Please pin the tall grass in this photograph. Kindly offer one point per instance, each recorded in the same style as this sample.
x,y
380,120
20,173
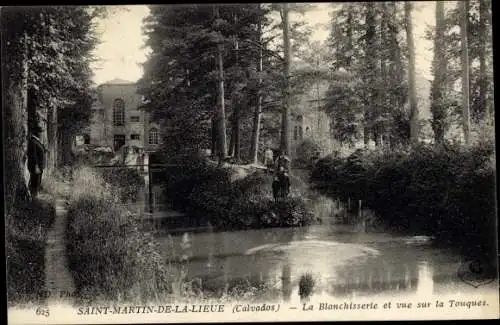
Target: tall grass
x,y
26,235
109,256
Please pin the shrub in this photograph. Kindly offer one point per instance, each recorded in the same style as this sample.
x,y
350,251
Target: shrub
x,y
206,192
307,152
26,235
127,181
306,285
109,257
448,192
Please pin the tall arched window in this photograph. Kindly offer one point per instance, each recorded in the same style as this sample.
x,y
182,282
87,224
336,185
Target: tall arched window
x,y
300,133
295,133
153,137
118,112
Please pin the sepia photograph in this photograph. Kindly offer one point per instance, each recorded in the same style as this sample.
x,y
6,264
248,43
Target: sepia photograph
x,y
249,162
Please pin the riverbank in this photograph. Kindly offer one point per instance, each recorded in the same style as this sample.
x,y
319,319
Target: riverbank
x,y
110,257
447,193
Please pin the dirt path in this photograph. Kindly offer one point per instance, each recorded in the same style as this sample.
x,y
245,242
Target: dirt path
x,y
58,280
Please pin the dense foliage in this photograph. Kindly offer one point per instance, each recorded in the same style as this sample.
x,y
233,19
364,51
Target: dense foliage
x,y
307,152
206,192
182,75
447,192
368,92
25,238
110,257
46,55
447,104
127,181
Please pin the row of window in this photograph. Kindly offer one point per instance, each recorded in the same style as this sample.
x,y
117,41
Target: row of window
x,y
298,134
153,138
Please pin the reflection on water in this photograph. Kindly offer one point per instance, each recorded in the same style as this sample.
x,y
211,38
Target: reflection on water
x,y
425,282
343,261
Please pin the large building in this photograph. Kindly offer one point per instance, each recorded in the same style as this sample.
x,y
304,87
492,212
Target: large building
x,y
120,126
118,121
309,121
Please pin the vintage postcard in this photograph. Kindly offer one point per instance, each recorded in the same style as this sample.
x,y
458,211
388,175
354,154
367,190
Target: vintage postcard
x,y
249,162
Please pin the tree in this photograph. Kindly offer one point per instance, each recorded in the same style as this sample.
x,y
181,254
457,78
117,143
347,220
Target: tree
x,y
465,70
14,80
411,74
372,104
60,44
221,114
438,105
258,107
344,98
190,38
285,129
46,51
480,64
483,33
368,89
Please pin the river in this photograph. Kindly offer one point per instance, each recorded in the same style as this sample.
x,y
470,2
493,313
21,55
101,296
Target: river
x,y
344,260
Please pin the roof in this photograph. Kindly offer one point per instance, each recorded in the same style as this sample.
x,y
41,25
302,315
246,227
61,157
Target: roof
x,y
118,81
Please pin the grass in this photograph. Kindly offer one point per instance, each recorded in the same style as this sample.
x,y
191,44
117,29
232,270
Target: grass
x,y
110,258
52,179
26,236
306,285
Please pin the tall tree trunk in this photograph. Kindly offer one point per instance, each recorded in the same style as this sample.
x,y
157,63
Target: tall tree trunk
x,y
237,131
349,36
214,136
383,56
285,122
439,68
51,141
235,143
15,121
221,113
370,112
412,92
482,114
236,120
465,69
233,133
254,148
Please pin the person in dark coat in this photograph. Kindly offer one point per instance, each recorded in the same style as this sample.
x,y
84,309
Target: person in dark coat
x,y
36,163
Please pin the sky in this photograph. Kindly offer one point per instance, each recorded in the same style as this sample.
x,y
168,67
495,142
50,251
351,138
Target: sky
x,y
122,51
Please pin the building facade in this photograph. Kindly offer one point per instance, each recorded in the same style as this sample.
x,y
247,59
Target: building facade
x,y
119,125
309,121
118,120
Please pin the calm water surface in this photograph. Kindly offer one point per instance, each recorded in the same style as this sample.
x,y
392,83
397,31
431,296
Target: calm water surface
x,y
344,260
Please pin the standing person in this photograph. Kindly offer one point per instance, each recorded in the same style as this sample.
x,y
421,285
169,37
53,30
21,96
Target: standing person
x,y
282,162
36,163
268,159
281,180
